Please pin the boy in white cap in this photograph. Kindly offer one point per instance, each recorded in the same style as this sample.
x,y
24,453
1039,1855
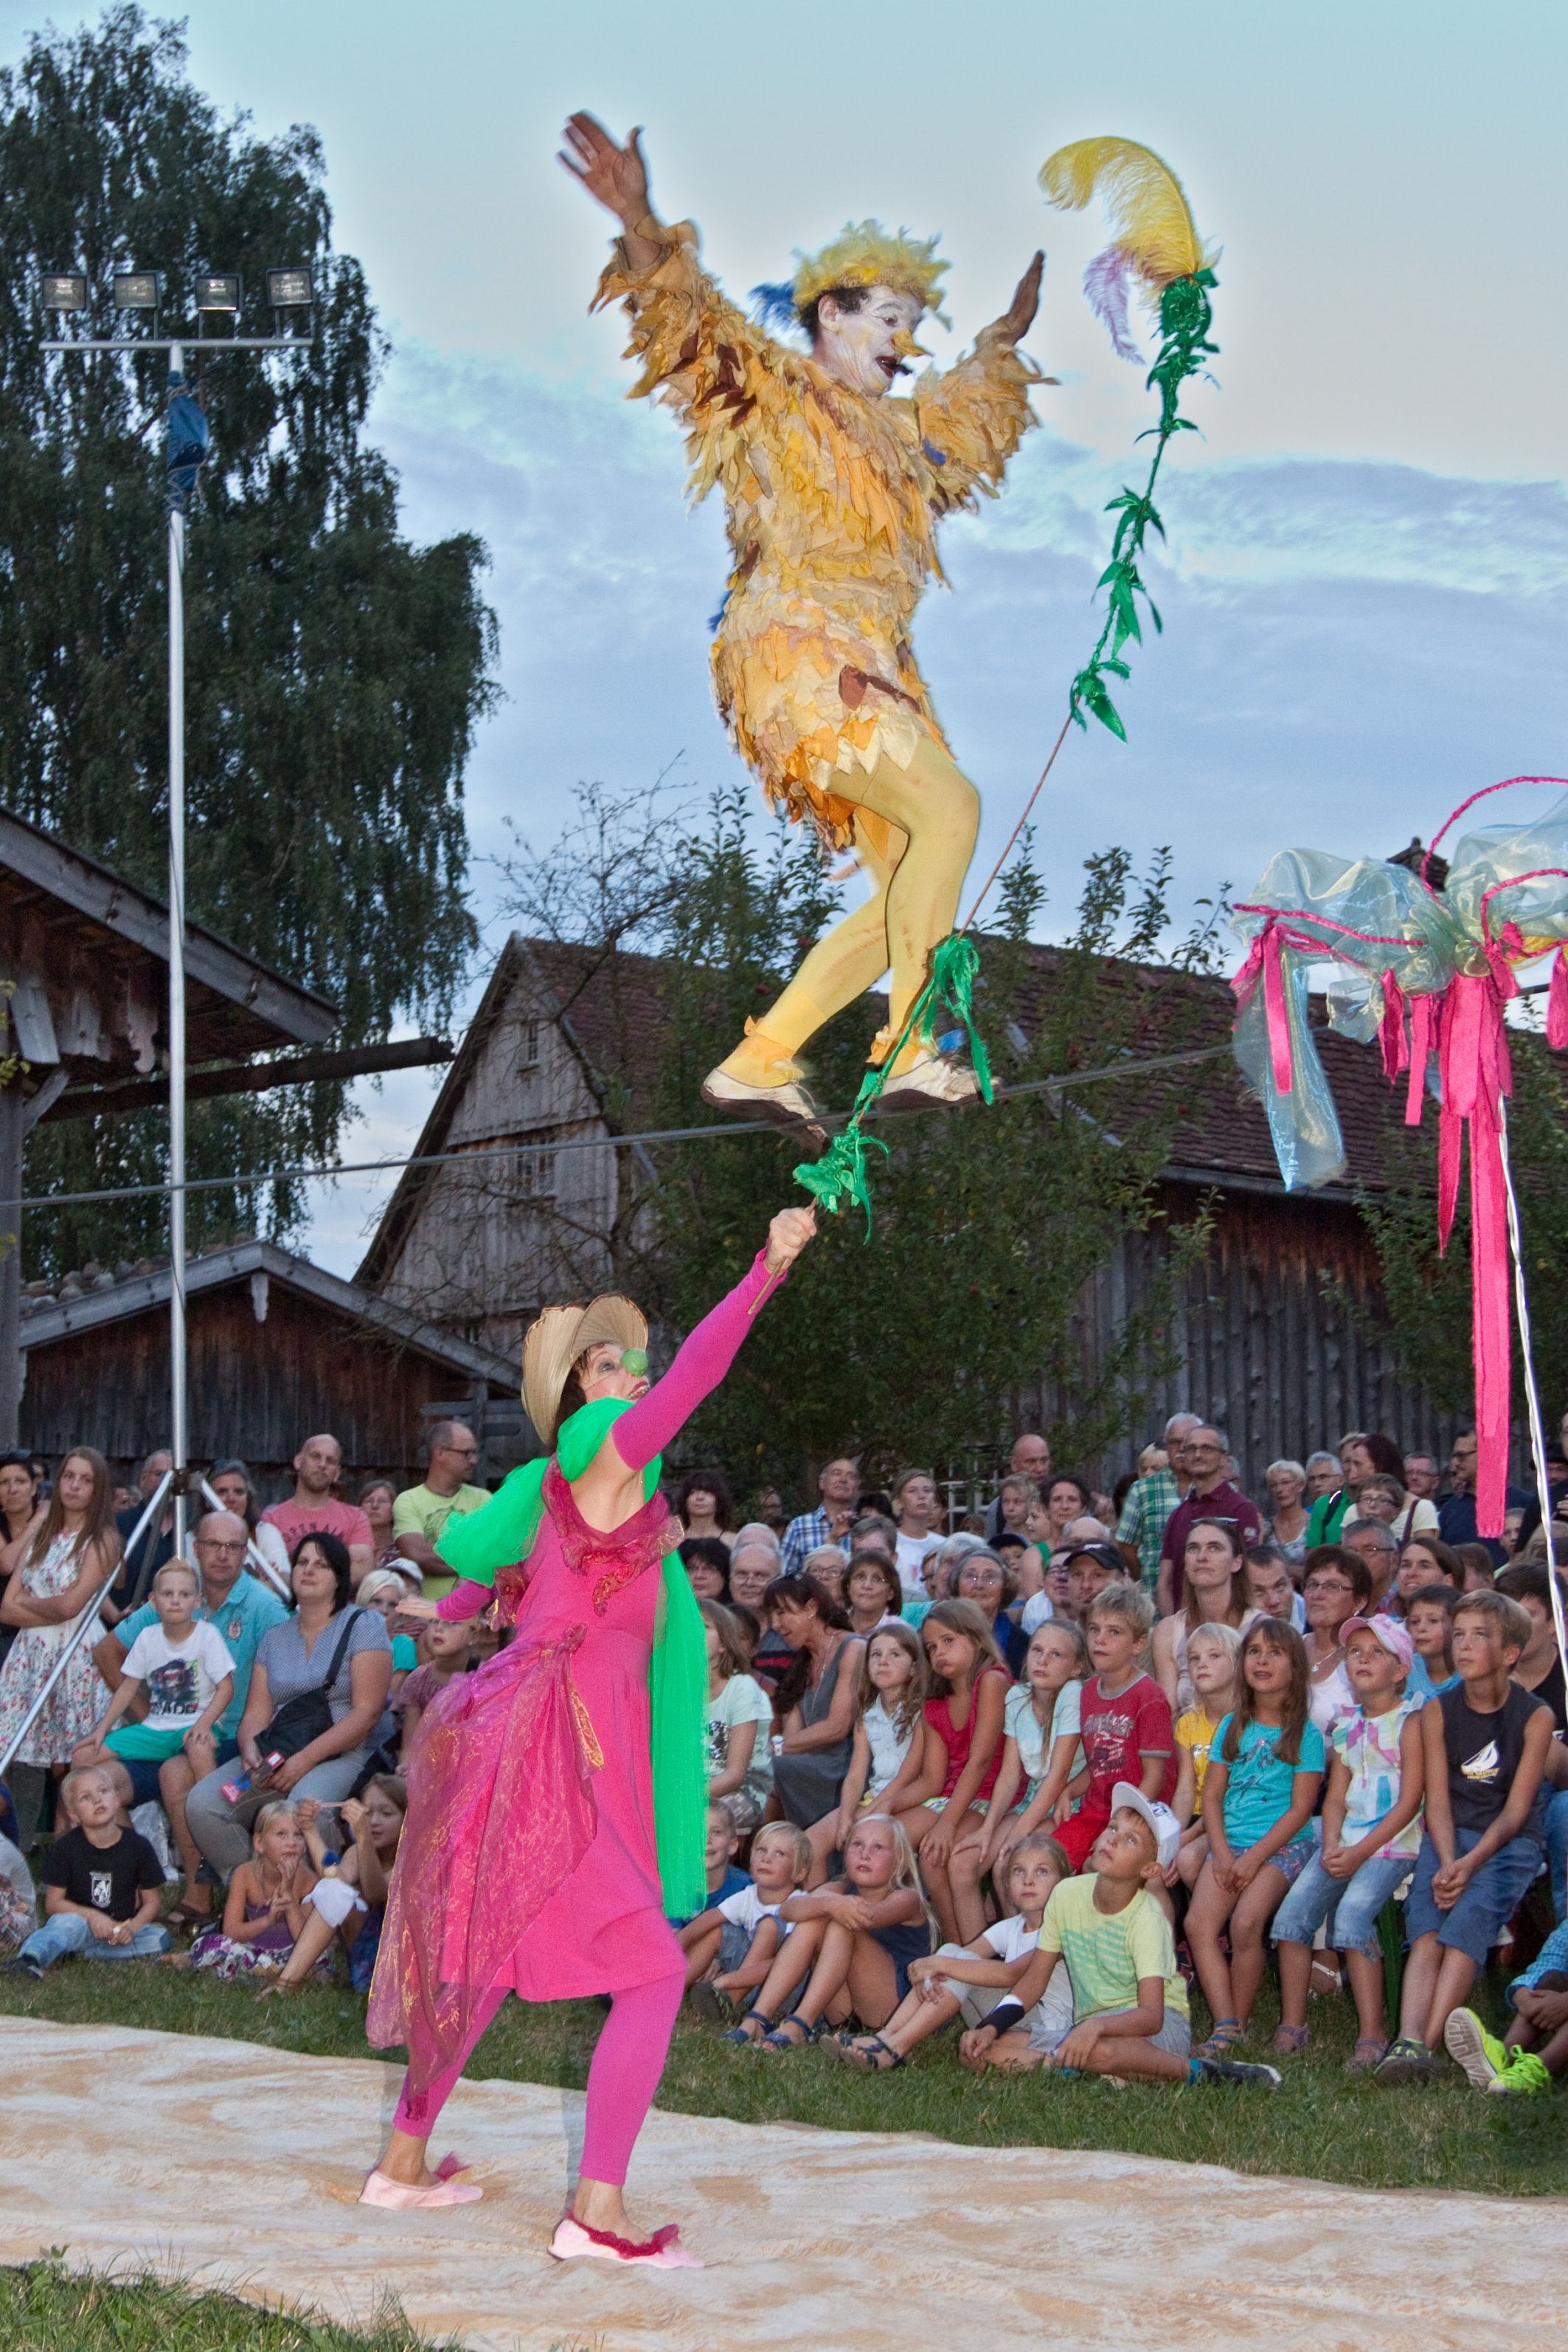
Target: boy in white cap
x,y
1130,2003
1372,1836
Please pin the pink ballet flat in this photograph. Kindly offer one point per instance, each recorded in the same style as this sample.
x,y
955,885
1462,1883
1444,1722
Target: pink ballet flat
x,y
400,2197
662,2251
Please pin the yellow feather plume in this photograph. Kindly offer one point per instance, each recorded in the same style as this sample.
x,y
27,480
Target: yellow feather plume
x,y
1156,236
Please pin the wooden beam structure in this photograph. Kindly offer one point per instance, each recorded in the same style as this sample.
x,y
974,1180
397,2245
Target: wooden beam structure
x,y
254,1077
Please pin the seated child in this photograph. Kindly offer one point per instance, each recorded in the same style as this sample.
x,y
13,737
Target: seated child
x,y
184,1666
1372,1835
1485,1743
1265,1770
858,1937
1214,1657
1429,1614
103,1885
886,1753
1535,2047
968,1981
961,1753
19,1900
739,1723
349,1899
731,1945
1129,2004
1125,1717
449,1651
266,1905
1040,1755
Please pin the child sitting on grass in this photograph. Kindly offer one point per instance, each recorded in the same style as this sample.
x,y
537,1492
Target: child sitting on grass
x,y
1265,1770
1125,1717
266,1908
103,1885
1214,1659
730,1945
1485,1744
1429,1614
1129,2004
739,1722
1372,1835
968,1981
1040,1755
1535,2048
858,1938
450,1649
886,1750
349,1899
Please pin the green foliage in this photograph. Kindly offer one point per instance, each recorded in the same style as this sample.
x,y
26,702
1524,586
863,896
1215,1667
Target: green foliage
x,y
964,1310
1426,1296
335,672
1185,316
44,2307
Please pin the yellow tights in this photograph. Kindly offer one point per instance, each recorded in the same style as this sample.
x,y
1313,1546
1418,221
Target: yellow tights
x,y
933,811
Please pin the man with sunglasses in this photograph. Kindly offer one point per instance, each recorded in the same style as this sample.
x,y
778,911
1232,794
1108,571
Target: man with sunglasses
x,y
1210,1496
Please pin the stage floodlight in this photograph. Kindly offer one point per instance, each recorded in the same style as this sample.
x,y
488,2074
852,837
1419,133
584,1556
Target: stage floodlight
x,y
136,290
218,290
289,289
65,289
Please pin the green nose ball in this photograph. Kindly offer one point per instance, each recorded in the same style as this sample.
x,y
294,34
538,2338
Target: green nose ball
x,y
634,1360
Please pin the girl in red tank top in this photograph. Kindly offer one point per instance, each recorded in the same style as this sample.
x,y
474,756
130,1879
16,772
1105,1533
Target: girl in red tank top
x,y
962,1736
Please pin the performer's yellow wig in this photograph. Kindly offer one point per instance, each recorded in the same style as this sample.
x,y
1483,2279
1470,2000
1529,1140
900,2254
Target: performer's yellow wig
x,y
865,253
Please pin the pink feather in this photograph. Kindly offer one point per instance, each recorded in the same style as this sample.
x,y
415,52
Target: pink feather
x,y
1105,282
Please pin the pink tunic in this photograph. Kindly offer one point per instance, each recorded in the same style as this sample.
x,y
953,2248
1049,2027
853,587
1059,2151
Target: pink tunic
x,y
528,1859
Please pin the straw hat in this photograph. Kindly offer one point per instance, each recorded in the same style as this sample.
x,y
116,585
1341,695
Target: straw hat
x,y
555,1339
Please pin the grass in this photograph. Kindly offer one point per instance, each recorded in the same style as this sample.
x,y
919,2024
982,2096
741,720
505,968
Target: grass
x,y
44,2307
1321,2125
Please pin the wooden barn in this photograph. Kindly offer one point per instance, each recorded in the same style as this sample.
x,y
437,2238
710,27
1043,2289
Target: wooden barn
x,y
278,1349
1277,1329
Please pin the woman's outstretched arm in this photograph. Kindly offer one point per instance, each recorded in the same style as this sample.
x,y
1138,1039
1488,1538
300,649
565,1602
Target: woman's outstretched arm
x,y
706,1355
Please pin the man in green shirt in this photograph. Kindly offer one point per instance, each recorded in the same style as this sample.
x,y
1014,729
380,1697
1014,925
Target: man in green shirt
x,y
419,1513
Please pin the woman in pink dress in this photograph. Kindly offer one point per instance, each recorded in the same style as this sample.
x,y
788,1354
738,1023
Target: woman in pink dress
x,y
550,1792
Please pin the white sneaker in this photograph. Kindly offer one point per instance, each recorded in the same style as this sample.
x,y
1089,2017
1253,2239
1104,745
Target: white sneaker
x,y
790,1105
932,1079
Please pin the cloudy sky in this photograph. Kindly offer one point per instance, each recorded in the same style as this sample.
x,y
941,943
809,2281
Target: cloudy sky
x,y
1367,578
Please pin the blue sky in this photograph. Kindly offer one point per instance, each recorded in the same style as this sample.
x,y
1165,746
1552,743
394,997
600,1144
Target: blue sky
x,y
1367,579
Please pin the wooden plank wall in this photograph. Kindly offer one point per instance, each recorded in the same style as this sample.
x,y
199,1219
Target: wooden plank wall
x,y
255,1389
1269,1347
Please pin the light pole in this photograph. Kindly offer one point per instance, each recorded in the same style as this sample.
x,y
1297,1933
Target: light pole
x,y
219,293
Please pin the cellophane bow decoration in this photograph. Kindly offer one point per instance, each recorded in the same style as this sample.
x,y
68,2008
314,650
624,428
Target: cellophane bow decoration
x,y
1158,246
1428,973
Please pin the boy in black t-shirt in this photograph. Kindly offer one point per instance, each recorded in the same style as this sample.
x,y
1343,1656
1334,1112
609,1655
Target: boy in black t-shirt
x,y
1484,1740
102,1885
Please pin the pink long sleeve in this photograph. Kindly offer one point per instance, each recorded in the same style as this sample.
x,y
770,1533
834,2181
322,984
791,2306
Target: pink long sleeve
x,y
699,1367
466,1600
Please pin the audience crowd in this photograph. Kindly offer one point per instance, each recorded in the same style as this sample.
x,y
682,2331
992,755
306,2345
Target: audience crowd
x,y
1040,1771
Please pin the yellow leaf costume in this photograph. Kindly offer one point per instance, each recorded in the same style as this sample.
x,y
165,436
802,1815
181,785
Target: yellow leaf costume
x,y
832,500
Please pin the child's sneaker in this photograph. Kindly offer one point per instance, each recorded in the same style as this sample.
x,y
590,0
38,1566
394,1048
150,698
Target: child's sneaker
x,y
1407,2061
1236,2072
1480,2053
1526,2077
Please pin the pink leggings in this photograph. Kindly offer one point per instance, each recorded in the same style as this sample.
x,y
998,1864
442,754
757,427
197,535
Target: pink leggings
x,y
622,2079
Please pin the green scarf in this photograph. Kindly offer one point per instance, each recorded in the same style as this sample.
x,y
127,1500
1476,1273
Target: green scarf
x,y
503,1530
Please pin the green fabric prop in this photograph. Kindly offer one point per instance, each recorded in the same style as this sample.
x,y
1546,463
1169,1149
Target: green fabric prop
x,y
504,1529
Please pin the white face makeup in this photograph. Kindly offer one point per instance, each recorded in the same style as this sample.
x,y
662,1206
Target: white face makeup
x,y
861,348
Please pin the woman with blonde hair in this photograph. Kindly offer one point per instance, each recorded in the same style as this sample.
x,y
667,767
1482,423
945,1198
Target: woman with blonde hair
x,y
67,1560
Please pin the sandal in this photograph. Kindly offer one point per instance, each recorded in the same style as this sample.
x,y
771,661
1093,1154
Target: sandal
x,y
1289,2040
869,2055
1370,2051
709,2006
1324,1979
780,2040
1228,2032
279,1984
182,1915
749,2041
